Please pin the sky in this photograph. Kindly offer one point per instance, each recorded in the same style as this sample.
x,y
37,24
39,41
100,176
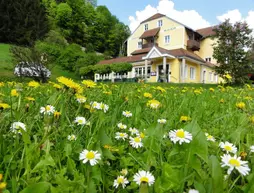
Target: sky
x,y
193,13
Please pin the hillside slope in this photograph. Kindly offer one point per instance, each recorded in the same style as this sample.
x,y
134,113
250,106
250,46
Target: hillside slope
x,y
6,66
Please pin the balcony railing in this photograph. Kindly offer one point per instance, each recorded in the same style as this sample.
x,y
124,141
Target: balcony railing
x,y
149,45
193,45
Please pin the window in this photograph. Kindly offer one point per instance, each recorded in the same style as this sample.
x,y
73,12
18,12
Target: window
x,y
167,39
146,27
215,78
192,73
208,59
211,76
140,71
160,23
139,45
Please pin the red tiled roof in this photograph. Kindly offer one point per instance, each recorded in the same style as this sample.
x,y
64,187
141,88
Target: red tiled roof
x,y
156,16
150,33
185,53
143,52
208,31
123,59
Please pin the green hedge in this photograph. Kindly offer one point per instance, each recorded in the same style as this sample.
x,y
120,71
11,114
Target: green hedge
x,y
106,69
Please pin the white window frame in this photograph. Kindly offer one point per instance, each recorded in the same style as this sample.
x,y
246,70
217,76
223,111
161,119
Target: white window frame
x,y
215,77
146,26
139,44
192,73
167,39
142,68
160,23
211,76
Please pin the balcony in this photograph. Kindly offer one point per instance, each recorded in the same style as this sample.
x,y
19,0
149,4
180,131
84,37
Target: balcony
x,y
193,45
149,45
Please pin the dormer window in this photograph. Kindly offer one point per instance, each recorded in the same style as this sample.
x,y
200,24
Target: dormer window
x,y
160,23
139,45
146,27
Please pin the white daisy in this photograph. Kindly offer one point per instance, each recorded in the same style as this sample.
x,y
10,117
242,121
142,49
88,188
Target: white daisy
x,y
252,149
72,137
127,114
91,156
193,191
121,126
120,180
133,131
180,136
17,127
162,121
103,107
80,120
95,105
144,177
235,163
122,136
49,110
136,142
228,147
209,137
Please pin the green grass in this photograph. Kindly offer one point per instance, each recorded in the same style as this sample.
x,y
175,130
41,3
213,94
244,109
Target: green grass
x,y
42,159
6,67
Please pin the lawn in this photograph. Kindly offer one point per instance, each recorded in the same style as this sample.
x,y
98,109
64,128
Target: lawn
x,y
78,137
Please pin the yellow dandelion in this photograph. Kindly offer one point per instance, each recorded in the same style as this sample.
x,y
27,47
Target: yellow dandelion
x,y
33,84
211,89
185,118
57,114
240,105
154,104
70,84
160,89
252,119
148,95
89,83
197,91
58,86
1,84
14,92
4,106
2,185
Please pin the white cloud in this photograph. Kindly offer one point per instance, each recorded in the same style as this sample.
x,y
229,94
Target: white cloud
x,y
189,18
235,16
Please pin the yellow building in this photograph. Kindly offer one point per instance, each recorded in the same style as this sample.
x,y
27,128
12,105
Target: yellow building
x,y
164,50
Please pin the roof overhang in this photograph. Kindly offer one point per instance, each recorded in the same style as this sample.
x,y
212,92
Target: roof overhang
x,y
155,53
191,60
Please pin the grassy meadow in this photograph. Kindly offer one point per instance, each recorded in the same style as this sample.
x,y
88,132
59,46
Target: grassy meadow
x,y
75,137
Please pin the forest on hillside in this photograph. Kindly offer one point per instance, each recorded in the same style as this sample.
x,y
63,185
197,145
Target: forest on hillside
x,y
70,32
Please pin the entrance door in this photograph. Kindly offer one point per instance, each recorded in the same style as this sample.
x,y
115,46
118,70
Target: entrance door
x,y
160,74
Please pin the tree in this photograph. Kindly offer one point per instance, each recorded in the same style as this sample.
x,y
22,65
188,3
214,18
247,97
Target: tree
x,y
232,50
22,21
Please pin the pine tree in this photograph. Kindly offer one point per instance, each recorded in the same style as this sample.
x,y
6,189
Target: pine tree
x,y
22,21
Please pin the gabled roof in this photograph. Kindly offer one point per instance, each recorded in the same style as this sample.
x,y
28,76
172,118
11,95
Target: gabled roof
x,y
141,51
150,33
208,31
156,16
